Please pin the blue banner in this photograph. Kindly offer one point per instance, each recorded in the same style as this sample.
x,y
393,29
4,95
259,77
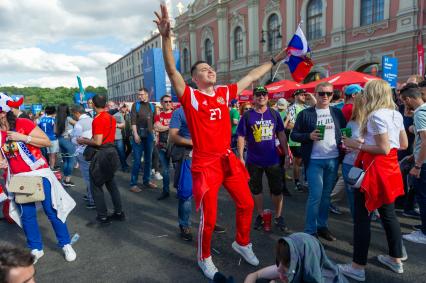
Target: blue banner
x,y
390,70
155,79
36,108
86,96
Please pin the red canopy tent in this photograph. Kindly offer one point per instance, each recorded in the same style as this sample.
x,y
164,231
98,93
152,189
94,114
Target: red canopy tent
x,y
342,79
282,88
245,95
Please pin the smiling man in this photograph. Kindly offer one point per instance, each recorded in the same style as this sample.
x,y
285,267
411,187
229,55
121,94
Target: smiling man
x,y
213,163
318,130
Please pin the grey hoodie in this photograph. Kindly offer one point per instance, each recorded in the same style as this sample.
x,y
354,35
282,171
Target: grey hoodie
x,y
309,263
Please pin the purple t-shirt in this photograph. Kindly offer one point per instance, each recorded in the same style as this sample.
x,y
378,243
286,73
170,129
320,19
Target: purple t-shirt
x,y
260,132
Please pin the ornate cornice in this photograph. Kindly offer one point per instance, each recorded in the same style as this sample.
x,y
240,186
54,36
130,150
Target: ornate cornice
x,y
370,29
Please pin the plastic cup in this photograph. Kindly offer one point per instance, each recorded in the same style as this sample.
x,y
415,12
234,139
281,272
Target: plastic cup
x,y
267,220
347,132
321,129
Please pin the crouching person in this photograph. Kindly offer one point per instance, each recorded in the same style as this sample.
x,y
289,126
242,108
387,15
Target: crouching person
x,y
300,257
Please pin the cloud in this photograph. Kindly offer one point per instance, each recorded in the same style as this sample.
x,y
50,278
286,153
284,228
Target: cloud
x,y
33,34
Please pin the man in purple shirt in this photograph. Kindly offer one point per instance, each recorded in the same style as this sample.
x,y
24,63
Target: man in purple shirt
x,y
263,129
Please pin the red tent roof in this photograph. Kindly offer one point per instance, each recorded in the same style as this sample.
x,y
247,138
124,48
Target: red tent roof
x,y
246,95
342,79
282,88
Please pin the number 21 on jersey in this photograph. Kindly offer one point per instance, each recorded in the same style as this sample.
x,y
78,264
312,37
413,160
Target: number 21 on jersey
x,y
215,114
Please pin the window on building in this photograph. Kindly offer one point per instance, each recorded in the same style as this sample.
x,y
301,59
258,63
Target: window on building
x,y
208,51
314,19
238,43
273,32
185,55
372,11
156,44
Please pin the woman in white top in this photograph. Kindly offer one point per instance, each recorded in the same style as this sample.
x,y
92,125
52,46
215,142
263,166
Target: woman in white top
x,y
382,128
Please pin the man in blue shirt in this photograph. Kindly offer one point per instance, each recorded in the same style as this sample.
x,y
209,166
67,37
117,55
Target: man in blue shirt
x,y
47,124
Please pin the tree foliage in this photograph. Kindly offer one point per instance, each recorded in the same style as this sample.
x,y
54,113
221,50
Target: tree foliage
x,y
49,96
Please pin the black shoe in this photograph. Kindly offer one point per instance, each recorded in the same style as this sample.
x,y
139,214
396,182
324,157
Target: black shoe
x,y
103,220
258,223
117,216
411,213
298,187
163,196
85,198
68,184
326,234
279,222
219,229
417,227
90,206
286,192
185,233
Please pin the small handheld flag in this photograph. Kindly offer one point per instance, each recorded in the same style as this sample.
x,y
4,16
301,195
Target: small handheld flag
x,y
298,56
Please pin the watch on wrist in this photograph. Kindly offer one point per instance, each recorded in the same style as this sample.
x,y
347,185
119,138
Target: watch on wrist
x,y
418,167
273,61
28,139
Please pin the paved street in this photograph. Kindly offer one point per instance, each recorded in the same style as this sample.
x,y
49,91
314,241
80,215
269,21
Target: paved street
x,y
147,247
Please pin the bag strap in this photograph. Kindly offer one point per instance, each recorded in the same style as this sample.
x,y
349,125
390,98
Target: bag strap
x,y
110,126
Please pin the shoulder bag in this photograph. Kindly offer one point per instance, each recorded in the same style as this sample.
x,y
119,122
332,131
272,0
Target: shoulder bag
x,y
90,151
26,189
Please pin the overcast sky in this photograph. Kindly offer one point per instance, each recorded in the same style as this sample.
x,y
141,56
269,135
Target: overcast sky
x,y
48,42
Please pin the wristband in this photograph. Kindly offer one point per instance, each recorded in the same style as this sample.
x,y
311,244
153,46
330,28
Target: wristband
x,y
273,61
28,139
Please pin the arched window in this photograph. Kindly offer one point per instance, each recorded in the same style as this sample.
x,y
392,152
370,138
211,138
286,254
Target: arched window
x,y
314,19
273,32
208,51
372,11
238,43
185,56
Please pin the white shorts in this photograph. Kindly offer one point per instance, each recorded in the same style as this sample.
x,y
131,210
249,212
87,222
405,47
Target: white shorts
x,y
54,148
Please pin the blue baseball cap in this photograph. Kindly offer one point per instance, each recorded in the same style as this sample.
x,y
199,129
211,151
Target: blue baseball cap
x,y
234,102
352,89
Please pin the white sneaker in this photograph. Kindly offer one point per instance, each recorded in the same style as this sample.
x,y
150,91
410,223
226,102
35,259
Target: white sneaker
x,y
415,237
37,254
158,176
208,267
69,252
246,252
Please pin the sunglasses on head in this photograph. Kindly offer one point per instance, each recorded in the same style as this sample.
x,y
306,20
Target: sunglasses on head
x,y
324,93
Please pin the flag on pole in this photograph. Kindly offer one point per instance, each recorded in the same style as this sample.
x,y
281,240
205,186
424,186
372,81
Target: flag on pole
x,y
298,56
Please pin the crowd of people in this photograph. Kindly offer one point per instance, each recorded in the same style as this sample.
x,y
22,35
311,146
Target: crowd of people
x,y
328,137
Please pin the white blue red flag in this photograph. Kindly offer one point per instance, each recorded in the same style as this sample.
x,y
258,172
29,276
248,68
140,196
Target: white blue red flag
x,y
298,56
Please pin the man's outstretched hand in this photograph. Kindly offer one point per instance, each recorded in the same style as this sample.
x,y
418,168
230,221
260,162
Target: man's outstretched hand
x,y
163,21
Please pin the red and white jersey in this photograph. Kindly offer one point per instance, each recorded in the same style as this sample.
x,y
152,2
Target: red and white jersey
x,y
208,118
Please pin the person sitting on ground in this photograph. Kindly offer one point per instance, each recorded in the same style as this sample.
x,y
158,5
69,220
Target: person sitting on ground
x,y
16,265
300,257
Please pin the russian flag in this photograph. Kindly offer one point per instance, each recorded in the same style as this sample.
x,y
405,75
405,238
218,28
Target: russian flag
x,y
298,59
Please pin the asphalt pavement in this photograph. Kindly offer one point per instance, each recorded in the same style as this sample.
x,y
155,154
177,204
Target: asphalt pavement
x,y
147,247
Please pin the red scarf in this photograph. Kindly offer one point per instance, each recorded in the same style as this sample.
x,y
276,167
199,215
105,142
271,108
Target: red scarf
x,y
382,183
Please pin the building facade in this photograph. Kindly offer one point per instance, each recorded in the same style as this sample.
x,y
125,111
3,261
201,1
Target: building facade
x,y
125,76
235,36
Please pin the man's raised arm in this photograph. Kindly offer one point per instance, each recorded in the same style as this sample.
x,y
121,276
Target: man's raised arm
x,y
258,72
163,24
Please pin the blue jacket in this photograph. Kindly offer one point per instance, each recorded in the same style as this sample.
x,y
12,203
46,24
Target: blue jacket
x,y
306,123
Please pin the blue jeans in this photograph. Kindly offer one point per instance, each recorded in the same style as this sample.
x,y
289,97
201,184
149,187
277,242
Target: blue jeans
x,y
184,212
144,147
84,168
349,190
420,189
30,225
68,151
165,165
119,145
321,175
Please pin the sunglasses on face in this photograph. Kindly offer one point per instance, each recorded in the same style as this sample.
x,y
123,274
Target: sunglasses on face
x,y
248,108
167,101
324,93
258,94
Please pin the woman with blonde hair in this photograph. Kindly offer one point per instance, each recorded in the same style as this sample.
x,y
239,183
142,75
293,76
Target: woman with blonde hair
x,y
382,129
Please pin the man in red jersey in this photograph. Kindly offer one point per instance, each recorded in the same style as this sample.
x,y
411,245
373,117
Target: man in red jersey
x,y
213,163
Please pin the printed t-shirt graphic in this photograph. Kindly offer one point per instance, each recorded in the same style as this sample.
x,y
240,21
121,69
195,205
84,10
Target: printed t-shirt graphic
x,y
326,148
47,124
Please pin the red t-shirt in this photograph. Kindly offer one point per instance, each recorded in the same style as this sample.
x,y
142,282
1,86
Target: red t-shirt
x,y
164,118
208,118
16,163
347,111
104,124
